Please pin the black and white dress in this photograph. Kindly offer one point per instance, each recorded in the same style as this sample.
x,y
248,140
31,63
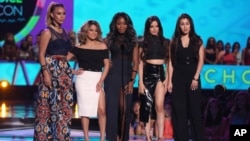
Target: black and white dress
x,y
92,62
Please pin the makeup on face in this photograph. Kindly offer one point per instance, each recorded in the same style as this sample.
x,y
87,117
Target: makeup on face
x,y
121,25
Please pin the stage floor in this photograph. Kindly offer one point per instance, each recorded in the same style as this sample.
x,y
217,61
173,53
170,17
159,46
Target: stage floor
x,y
26,134
17,118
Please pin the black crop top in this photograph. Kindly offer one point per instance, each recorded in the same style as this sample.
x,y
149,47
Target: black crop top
x,y
90,59
155,50
59,43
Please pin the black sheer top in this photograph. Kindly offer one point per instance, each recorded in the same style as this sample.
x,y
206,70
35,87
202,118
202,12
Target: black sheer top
x,y
156,49
90,59
59,43
121,47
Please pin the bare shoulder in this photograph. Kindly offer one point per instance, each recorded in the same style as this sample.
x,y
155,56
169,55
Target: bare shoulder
x,y
102,45
46,33
202,46
77,45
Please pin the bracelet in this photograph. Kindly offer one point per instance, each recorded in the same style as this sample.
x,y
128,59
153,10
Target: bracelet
x,y
44,67
195,79
134,71
131,79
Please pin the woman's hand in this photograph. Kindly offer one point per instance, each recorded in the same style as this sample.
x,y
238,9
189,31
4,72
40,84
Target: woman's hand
x,y
194,85
110,63
47,79
78,71
129,87
99,86
169,87
141,88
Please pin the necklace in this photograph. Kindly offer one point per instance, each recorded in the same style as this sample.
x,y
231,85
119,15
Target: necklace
x,y
57,26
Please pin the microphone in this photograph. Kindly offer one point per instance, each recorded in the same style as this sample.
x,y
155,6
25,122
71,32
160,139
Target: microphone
x,y
122,47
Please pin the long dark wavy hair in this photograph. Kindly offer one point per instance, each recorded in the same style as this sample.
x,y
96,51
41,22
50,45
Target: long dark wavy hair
x,y
210,45
195,39
148,37
130,33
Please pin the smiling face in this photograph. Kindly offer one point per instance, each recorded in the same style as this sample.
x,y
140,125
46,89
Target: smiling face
x,y
92,32
154,28
58,15
185,26
121,25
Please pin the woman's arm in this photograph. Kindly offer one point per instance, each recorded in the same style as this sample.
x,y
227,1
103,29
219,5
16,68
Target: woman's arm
x,y
69,56
140,73
106,66
170,71
45,37
135,61
200,63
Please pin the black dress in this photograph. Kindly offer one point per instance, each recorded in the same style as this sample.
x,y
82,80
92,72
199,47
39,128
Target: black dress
x,y
118,105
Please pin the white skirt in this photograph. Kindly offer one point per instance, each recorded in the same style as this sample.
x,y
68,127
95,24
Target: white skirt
x,y
87,97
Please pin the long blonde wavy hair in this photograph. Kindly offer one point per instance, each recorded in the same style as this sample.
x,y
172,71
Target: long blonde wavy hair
x,y
82,35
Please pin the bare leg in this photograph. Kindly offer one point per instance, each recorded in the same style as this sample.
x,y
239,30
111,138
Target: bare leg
x,y
85,125
122,110
102,116
148,130
159,106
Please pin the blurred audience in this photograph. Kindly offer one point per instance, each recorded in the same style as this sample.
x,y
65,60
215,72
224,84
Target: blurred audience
x,y
136,127
10,49
168,132
246,53
35,47
214,121
210,54
24,51
236,52
226,57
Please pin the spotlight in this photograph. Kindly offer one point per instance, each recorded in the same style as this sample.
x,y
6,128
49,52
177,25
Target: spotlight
x,y
4,84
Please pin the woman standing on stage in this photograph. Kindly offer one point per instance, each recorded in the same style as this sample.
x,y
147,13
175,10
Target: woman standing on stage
x,y
55,100
152,75
93,57
118,86
186,62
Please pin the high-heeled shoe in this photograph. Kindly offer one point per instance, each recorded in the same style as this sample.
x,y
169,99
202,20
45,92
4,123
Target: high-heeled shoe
x,y
149,139
161,139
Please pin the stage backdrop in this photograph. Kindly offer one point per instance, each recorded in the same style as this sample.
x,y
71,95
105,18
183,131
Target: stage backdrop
x,y
227,20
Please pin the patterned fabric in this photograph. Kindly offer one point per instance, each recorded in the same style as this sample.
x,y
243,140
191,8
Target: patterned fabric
x,y
54,106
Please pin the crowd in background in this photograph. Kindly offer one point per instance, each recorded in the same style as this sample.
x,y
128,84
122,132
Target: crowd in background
x,y
216,51
220,109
